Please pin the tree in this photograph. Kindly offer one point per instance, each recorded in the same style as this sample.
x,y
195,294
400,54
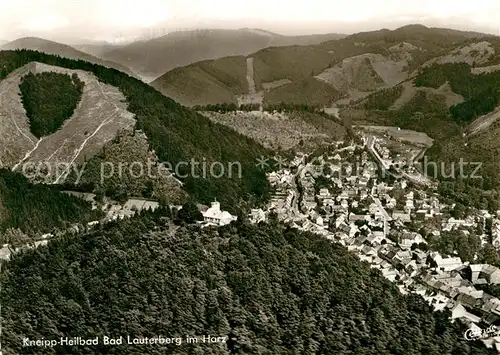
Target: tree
x,y
327,170
190,213
458,211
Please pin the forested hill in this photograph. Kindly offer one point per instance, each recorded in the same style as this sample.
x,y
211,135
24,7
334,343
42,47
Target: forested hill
x,y
269,290
176,133
38,208
60,49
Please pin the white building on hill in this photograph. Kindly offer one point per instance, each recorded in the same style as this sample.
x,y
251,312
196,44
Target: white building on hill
x,y
214,215
257,215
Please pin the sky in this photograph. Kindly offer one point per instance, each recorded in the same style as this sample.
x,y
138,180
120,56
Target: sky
x,y
110,20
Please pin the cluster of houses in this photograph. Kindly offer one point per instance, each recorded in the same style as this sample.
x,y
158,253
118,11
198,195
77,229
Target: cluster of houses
x,y
384,152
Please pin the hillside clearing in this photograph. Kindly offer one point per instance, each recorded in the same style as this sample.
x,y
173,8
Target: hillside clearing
x,y
473,54
482,123
365,72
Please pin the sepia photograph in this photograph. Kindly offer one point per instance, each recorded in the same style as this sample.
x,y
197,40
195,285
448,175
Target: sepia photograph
x,y
195,177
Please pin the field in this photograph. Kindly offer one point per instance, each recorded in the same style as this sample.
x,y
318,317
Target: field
x,y
405,135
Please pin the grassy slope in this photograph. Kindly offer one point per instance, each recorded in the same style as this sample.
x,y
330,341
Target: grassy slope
x,y
176,133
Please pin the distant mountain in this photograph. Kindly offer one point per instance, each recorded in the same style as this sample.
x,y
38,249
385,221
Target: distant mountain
x,y
415,32
349,68
63,50
155,57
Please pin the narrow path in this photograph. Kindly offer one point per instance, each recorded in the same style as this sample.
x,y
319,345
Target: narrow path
x,y
19,129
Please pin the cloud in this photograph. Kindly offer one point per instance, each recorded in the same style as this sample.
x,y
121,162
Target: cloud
x,y
45,21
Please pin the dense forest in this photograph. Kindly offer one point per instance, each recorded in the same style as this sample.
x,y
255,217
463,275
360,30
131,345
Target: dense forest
x,y
176,133
38,208
269,289
481,92
49,99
